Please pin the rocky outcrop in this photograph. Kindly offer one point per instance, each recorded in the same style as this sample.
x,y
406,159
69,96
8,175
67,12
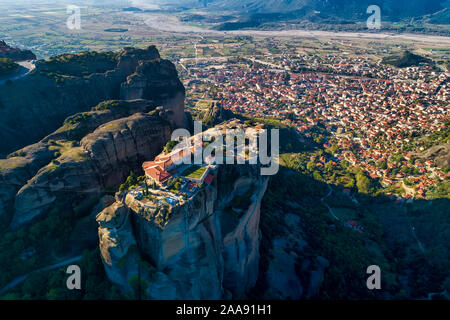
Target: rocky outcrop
x,y
24,164
54,93
216,114
91,151
207,250
16,171
101,160
439,154
157,80
15,53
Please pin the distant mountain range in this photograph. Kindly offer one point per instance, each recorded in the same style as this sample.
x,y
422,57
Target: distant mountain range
x,y
433,11
342,8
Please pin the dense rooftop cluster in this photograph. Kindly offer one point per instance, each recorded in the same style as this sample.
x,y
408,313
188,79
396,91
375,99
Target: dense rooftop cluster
x,y
372,111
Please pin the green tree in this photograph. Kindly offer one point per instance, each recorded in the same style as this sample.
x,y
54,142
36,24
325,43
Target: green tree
x,y
310,165
131,180
329,166
317,176
332,150
363,183
169,146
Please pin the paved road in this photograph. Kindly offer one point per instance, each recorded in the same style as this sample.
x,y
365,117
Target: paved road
x,y
329,208
22,278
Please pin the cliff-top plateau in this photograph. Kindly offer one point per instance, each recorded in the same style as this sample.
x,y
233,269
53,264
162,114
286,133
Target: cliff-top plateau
x,y
36,105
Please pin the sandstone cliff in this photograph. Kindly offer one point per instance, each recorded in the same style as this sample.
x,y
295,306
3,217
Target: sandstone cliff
x,y
216,114
93,152
206,250
36,105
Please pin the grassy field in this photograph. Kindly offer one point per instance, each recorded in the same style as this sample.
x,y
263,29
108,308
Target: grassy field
x,y
194,172
67,149
204,104
12,163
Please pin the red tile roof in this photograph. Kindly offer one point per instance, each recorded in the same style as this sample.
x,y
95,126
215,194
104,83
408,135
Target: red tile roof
x,y
155,171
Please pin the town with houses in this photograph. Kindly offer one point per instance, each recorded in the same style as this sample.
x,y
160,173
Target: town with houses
x,y
371,110
92,91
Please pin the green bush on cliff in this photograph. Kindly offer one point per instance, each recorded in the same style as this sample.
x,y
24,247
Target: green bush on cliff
x,y
363,183
108,105
229,210
7,67
242,201
169,146
78,65
78,118
130,183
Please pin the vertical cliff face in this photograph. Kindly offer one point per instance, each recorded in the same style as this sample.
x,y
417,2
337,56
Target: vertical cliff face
x,y
94,149
241,248
208,248
102,159
157,80
65,85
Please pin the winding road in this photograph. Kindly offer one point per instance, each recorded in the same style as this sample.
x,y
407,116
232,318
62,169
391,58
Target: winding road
x,y
25,68
22,278
329,208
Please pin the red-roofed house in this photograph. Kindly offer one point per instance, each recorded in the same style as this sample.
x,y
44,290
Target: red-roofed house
x,y
157,174
158,170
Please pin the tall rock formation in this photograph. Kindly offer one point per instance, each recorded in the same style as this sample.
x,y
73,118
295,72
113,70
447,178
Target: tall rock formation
x,y
93,152
206,250
65,85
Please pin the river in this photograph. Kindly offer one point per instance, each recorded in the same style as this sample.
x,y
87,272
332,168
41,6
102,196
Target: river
x,y
169,23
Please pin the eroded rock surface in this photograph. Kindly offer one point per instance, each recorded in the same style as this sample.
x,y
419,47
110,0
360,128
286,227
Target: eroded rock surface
x,y
55,91
102,159
203,252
